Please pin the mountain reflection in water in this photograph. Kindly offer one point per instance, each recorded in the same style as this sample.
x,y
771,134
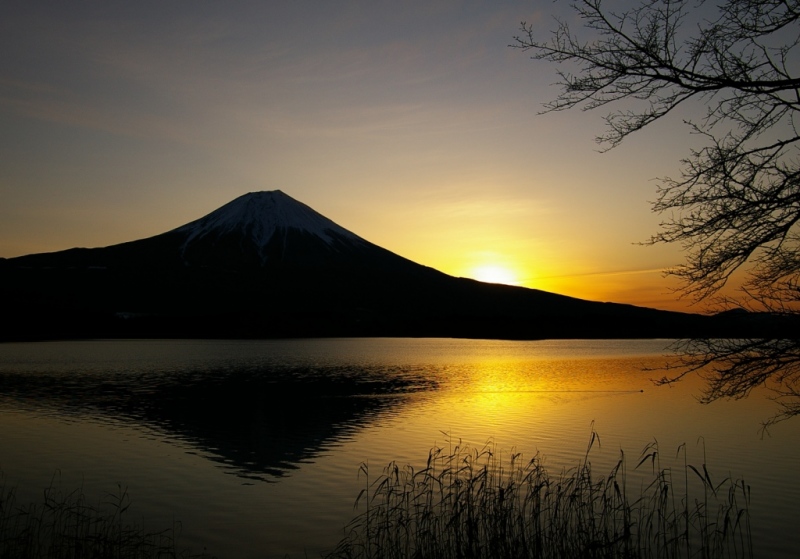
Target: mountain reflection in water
x,y
258,422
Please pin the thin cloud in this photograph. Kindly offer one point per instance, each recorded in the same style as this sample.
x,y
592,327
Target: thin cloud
x,y
610,273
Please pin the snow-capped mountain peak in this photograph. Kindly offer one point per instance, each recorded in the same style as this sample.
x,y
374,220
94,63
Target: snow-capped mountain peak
x,y
258,215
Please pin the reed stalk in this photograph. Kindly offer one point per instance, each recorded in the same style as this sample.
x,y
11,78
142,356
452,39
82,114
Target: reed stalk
x,y
66,526
471,503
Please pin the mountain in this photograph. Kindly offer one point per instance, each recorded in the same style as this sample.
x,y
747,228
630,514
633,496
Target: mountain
x,y
257,230
266,265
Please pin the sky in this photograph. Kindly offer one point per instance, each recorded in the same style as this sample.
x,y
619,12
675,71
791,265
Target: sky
x,y
413,125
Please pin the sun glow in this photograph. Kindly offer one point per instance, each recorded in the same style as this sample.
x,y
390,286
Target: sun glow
x,y
492,273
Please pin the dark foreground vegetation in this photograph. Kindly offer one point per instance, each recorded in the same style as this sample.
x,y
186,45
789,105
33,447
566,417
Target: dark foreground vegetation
x,y
67,526
473,503
465,503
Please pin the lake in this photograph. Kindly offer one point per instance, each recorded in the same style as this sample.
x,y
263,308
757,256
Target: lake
x,y
255,446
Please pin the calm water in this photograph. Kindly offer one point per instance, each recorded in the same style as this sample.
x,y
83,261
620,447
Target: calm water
x,y
254,446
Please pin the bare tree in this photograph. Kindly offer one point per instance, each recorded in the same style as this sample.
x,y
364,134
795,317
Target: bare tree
x,y
736,204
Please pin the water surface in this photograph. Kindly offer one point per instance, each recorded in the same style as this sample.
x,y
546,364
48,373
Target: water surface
x,y
255,445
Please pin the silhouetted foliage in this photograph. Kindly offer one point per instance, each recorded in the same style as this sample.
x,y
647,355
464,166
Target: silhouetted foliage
x,y
734,367
736,204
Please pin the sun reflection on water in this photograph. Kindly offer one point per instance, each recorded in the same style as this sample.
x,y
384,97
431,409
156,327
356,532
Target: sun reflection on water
x,y
527,396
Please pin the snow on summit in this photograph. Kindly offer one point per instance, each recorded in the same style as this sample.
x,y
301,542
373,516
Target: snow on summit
x,y
259,214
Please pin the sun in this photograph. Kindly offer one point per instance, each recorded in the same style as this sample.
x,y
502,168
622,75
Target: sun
x,y
492,273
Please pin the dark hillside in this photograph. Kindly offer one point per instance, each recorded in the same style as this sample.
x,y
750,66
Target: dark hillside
x,y
267,266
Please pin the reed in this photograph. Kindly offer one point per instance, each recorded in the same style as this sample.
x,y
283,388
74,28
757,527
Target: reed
x,y
66,526
472,503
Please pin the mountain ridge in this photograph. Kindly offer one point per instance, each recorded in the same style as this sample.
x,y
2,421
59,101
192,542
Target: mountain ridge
x,y
258,216
266,265
270,209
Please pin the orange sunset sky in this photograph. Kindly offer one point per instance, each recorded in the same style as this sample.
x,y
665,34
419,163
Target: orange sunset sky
x,y
412,124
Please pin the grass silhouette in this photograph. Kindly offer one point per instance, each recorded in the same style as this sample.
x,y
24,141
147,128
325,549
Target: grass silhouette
x,y
466,503
66,526
470,503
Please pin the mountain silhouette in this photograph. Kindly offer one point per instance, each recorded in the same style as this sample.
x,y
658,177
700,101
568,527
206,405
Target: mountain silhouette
x,y
266,265
256,230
